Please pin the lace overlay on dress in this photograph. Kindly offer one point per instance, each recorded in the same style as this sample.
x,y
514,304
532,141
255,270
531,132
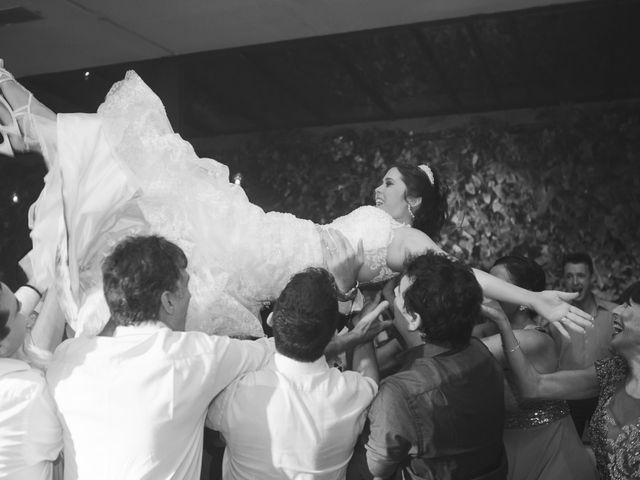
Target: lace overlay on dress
x,y
616,446
375,227
124,171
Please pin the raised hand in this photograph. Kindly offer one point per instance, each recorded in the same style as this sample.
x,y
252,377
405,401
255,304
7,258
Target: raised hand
x,y
555,307
343,262
369,321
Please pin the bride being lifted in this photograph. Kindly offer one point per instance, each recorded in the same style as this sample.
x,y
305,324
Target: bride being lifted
x,y
123,171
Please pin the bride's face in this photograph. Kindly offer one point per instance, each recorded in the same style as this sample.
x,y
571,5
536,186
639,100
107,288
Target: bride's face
x,y
391,196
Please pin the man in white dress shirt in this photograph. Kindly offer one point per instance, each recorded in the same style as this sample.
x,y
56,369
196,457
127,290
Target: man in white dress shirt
x,y
30,433
297,417
133,403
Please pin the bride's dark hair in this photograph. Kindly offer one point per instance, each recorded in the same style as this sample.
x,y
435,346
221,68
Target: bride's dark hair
x,y
432,213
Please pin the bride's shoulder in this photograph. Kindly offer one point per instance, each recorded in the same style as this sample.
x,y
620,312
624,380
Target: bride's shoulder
x,y
415,242
365,214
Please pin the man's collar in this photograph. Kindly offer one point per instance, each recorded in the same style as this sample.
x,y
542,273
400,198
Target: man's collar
x,y
10,365
143,328
289,366
426,350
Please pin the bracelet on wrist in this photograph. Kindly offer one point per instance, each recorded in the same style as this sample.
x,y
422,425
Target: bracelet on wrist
x,y
34,289
511,350
349,294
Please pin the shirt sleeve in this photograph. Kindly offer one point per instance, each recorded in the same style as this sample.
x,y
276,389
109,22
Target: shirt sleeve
x,y
233,358
44,430
390,431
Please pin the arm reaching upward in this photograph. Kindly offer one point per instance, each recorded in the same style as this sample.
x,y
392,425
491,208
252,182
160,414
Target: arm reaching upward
x,y
561,385
551,304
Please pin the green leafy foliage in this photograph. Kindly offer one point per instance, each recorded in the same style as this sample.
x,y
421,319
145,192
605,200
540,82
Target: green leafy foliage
x,y
567,183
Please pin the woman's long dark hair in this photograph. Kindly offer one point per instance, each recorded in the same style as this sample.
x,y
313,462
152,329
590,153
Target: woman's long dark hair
x,y
432,213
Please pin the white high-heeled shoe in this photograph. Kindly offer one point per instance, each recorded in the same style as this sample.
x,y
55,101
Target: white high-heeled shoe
x,y
13,129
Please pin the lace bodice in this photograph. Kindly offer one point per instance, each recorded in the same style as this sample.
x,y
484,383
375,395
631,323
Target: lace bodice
x,y
615,425
375,227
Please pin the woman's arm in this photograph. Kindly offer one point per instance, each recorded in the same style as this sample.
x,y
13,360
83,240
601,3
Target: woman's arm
x,y
551,304
561,385
538,347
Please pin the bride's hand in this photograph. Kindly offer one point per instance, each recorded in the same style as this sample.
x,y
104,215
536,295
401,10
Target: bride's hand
x,y
369,322
343,262
555,307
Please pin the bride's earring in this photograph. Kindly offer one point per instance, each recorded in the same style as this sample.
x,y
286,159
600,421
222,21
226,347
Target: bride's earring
x,y
413,217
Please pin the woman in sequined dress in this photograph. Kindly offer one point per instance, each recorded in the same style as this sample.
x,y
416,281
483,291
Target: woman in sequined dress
x,y
539,437
615,425
124,171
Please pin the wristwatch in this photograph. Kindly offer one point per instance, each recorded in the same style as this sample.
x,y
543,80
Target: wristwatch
x,y
349,294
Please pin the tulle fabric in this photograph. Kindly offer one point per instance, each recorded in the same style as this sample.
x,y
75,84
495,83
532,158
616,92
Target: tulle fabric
x,y
124,171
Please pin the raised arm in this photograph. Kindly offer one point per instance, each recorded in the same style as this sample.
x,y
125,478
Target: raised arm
x,y
560,385
550,304
538,347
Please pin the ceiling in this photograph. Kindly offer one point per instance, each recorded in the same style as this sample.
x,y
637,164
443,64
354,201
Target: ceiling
x,y
73,34
461,57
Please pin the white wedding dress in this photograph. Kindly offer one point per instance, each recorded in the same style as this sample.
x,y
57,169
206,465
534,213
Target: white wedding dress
x,y
124,171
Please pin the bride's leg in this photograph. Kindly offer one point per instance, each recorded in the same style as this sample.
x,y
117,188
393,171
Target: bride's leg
x,y
25,108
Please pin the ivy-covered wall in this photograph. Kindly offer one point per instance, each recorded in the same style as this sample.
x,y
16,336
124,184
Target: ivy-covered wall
x,y
569,181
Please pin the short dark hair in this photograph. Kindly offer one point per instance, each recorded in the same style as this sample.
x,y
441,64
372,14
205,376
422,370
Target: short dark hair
x,y
305,315
135,275
578,257
524,272
4,319
446,295
631,292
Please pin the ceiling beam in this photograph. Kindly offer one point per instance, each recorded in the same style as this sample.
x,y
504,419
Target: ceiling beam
x,y
445,83
522,66
285,86
359,78
476,47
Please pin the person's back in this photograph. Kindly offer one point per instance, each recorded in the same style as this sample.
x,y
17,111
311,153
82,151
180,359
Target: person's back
x,y
454,400
133,403
442,415
30,434
296,418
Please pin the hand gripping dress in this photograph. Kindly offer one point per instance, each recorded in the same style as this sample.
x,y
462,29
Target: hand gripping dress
x,y
123,171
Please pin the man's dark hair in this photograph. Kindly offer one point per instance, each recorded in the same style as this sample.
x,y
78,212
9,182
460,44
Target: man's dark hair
x,y
524,272
136,274
305,315
631,292
578,257
446,295
4,318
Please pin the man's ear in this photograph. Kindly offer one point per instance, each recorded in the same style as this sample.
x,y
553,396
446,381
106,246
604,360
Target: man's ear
x,y
270,320
166,300
414,322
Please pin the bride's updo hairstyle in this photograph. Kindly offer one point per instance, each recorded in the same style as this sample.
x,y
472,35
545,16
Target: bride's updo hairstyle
x,y
432,213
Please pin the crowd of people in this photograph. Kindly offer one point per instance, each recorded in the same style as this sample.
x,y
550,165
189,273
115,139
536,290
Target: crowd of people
x,y
131,222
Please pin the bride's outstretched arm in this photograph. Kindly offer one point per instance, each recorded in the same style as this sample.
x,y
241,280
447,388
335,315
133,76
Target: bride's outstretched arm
x,y
560,385
552,305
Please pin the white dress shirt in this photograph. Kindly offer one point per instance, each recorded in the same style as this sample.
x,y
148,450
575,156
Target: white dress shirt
x,y
291,420
30,433
133,405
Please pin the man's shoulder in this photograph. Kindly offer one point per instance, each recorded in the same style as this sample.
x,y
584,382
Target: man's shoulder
x,y
605,304
19,381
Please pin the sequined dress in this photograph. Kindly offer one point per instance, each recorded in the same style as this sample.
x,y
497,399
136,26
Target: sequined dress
x,y
124,171
541,440
615,425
